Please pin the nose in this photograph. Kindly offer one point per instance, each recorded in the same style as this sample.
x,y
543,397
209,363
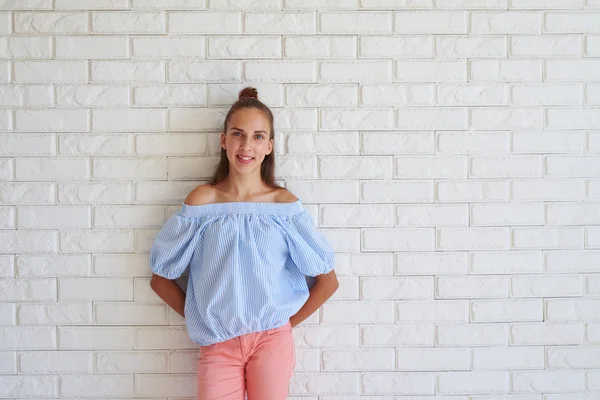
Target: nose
x,y
245,142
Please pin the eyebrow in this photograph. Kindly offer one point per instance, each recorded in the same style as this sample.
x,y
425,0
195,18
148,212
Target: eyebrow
x,y
241,130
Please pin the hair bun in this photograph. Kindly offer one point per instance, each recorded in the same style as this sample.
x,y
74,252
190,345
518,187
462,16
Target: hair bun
x,y
248,92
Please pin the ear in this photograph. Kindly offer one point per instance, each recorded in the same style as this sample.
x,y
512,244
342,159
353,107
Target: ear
x,y
222,140
270,150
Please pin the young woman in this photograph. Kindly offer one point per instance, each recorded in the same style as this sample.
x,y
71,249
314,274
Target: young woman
x,y
249,244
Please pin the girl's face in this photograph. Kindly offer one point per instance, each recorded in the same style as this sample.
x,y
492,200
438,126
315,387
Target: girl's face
x,y
247,140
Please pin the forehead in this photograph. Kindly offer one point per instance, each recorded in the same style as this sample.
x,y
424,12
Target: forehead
x,y
250,120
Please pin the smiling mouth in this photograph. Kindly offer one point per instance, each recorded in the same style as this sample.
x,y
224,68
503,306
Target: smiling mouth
x,y
245,160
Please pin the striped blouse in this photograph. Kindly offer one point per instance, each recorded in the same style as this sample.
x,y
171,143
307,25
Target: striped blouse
x,y
248,264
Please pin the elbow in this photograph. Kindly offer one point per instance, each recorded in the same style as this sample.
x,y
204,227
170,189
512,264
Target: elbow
x,y
156,283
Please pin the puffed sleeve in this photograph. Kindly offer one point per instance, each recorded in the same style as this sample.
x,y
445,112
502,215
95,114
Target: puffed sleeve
x,y
174,246
309,250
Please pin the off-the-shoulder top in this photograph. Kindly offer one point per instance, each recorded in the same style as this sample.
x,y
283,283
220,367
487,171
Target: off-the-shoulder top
x,y
247,261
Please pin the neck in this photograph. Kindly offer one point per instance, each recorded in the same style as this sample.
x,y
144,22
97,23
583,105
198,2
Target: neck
x,y
243,186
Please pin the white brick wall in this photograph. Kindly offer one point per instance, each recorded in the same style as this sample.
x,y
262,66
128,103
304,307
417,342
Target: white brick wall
x,y
449,150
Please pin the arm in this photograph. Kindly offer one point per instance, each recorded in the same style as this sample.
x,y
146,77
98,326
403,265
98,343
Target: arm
x,y
324,287
170,292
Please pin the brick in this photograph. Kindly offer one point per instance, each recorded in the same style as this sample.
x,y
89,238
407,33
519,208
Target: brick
x,y
28,386
317,4
571,22
431,263
570,261
404,335
413,383
150,120
168,4
25,338
318,47
427,359
172,144
170,338
430,167
356,119
322,143
168,47
7,218
131,362
231,47
508,358
432,311
94,193
91,4
584,309
547,189
509,263
54,314
50,22
26,95
358,360
162,192
546,94
282,23
397,143
321,95
505,23
142,292
547,142
95,338
296,167
472,142
396,191
430,71
507,118
186,361
592,46
30,5
63,362
592,284
396,288
92,96
7,266
569,357
25,47
541,46
397,94
364,22
592,94
179,168
472,190
127,71
471,335
569,166
226,94
8,363
205,71
505,71
546,286
7,168
471,4
130,313
121,265
572,70
196,119
96,385
150,385
364,264
129,216
15,290
95,145
544,4
355,71
47,169
424,215
396,3
91,47
572,214
51,266
507,310
127,22
96,289
547,238
28,241
548,381
206,22
430,22
457,95
507,214
27,193
295,119
398,239
572,118
545,333
28,145
471,47
99,241
51,120
55,217
281,71
465,287
396,46
362,312
170,95
592,332
472,238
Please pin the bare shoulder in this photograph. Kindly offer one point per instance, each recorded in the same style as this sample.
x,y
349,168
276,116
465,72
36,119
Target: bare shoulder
x,y
285,196
203,194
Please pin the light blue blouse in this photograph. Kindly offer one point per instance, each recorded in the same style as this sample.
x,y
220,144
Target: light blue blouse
x,y
248,263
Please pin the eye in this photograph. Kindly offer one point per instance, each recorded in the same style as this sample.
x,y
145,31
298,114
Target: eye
x,y
236,133
259,136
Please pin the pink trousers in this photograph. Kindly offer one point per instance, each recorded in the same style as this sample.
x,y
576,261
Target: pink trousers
x,y
260,363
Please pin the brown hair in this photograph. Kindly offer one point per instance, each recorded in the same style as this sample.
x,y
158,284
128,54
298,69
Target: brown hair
x,y
248,98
